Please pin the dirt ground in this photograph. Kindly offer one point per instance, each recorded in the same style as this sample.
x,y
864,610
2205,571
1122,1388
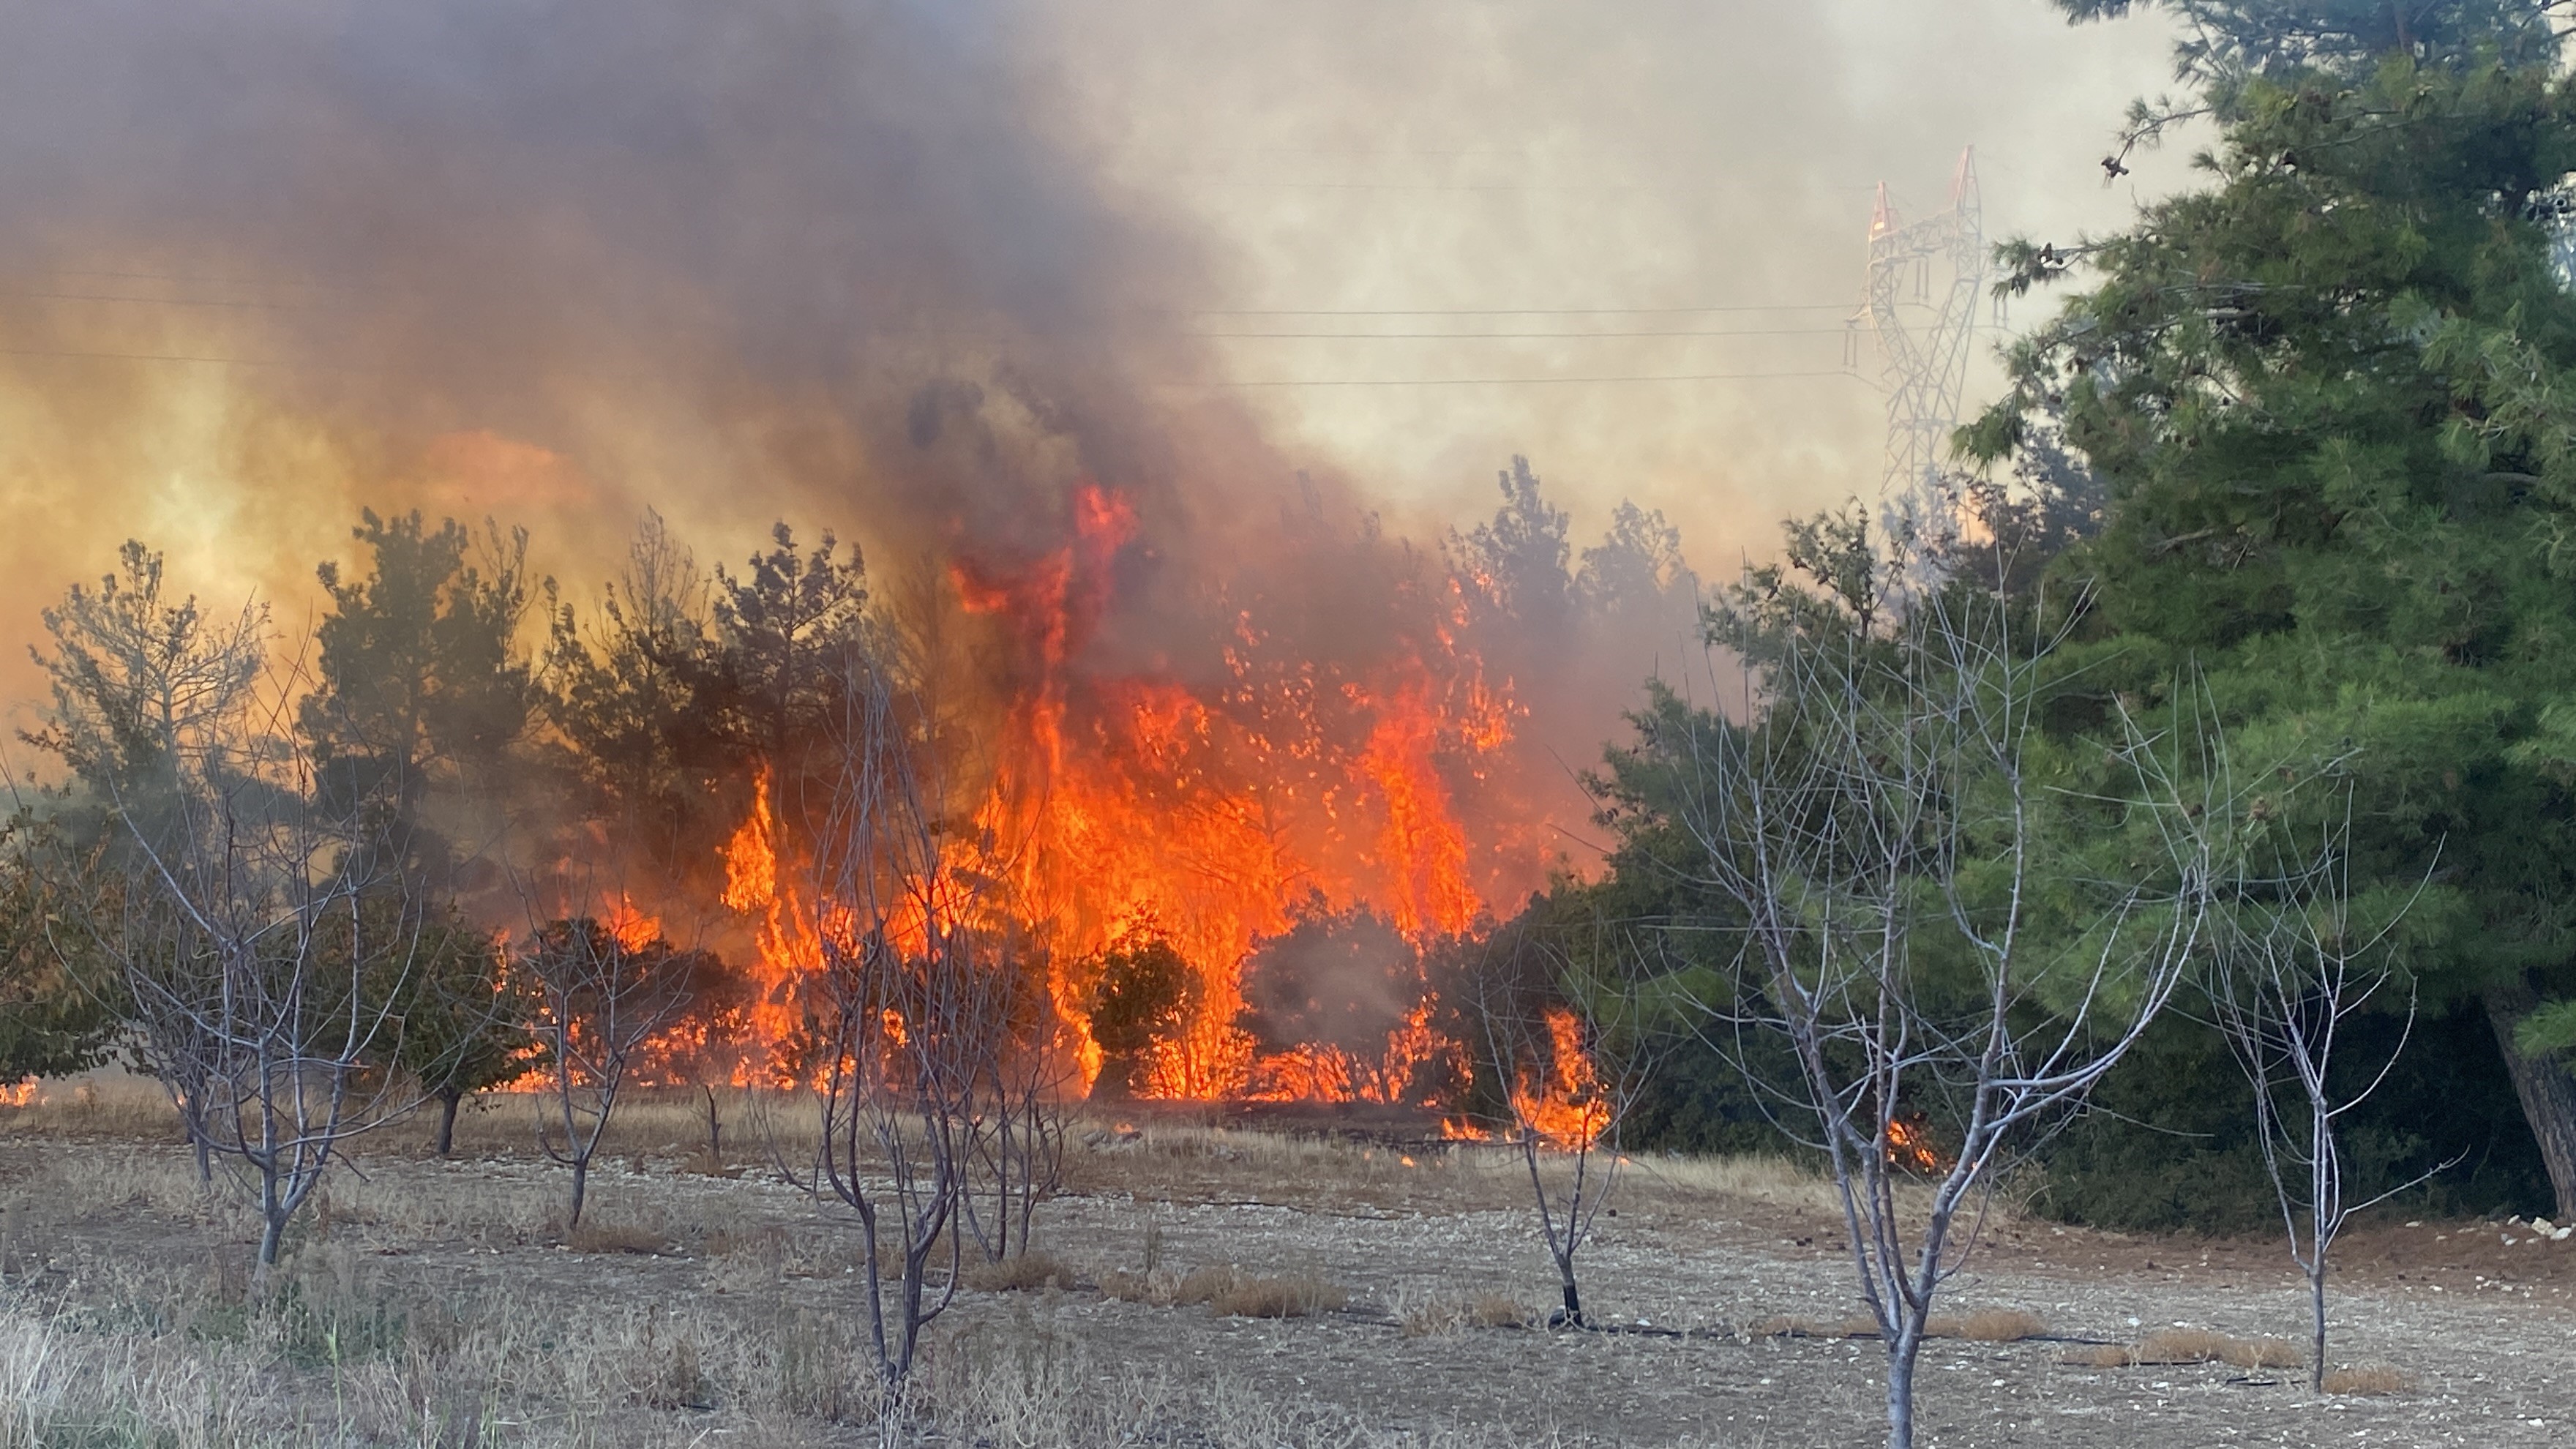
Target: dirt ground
x,y
2477,1318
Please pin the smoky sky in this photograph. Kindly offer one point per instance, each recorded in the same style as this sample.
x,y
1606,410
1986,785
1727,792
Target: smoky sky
x,y
910,270
568,258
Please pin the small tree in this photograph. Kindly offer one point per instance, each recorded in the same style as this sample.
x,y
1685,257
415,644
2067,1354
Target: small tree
x,y
1878,828
1143,996
924,990
60,1007
467,1026
2304,958
600,998
1558,1085
266,942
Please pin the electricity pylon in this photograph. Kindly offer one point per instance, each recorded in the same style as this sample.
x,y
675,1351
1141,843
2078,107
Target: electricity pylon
x,y
1925,277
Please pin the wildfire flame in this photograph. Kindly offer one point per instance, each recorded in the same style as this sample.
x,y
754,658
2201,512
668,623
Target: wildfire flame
x,y
789,950
1206,811
1565,1105
1909,1145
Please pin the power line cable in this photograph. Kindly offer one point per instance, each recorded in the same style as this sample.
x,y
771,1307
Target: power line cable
x,y
1504,381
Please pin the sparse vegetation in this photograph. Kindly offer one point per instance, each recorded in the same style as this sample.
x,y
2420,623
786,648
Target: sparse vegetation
x,y
1023,1273
2194,1345
1990,1325
2377,1378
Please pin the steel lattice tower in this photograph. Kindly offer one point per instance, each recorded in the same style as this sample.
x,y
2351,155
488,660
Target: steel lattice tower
x,y
1932,271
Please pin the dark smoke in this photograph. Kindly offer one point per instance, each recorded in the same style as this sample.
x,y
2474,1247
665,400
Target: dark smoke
x,y
828,260
847,264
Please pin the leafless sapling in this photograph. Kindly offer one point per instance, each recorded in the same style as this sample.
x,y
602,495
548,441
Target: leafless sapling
x,y
1562,1078
1878,831
601,998
916,999
2301,958
268,941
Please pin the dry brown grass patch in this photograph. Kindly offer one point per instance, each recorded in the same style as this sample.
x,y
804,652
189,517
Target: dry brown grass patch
x,y
1990,1325
1292,1296
2369,1378
2263,1353
1229,1291
1422,1314
1497,1310
2181,1346
1026,1273
1129,1287
616,1238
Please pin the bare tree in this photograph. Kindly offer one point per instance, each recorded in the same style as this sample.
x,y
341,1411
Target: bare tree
x,y
924,1001
268,942
1016,1134
142,686
1878,829
601,997
1562,1081
2300,961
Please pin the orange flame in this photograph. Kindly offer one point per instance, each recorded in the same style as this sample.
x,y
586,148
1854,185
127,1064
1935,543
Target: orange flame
x,y
789,947
627,922
1565,1105
1203,808
1909,1145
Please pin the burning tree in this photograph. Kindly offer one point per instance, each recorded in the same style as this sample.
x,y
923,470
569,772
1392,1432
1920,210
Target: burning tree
x,y
1879,829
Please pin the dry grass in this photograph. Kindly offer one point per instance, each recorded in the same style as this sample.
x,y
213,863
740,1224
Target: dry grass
x,y
1026,1273
1293,1295
1497,1310
1990,1325
2373,1378
1422,1313
597,1237
2177,1346
1227,1291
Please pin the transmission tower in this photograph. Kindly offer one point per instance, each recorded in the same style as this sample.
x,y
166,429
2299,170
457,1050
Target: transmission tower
x,y
1925,277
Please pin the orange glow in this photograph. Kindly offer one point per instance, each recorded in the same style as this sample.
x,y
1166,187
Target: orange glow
x,y
23,1094
1565,1104
627,922
1313,1072
1909,1145
789,947
1210,809
1197,804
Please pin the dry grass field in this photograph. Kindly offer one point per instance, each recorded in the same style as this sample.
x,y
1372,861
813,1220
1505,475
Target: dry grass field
x,y
1197,1284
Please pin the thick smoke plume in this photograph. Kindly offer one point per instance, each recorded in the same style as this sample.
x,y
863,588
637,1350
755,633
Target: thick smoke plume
x,y
556,260
836,263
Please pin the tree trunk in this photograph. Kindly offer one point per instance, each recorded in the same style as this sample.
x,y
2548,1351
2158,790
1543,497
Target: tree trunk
x,y
447,1103
1900,1388
2317,1302
580,1186
2548,1094
1573,1302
